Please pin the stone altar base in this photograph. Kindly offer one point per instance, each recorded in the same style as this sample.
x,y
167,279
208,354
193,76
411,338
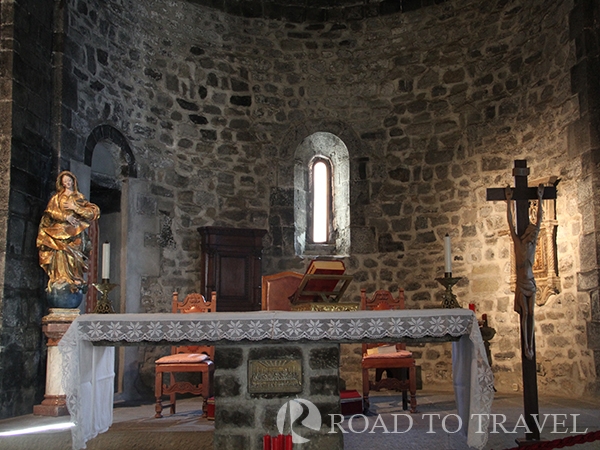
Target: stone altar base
x,y
247,401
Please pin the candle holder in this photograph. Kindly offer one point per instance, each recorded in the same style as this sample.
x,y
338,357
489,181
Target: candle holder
x,y
104,306
449,299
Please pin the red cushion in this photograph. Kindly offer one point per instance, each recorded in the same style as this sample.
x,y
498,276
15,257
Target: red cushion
x,y
398,354
184,358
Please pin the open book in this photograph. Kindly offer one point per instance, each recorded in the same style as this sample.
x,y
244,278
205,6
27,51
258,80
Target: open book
x,y
324,280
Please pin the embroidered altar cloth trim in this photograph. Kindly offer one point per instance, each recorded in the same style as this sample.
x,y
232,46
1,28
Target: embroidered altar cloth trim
x,y
275,325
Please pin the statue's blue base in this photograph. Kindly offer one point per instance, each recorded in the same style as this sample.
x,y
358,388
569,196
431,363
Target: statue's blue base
x,y
63,297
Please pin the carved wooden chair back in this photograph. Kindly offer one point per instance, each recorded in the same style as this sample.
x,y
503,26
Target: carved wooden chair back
x,y
381,300
194,303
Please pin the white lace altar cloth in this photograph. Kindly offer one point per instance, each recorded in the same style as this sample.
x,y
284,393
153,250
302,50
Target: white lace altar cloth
x,y
88,369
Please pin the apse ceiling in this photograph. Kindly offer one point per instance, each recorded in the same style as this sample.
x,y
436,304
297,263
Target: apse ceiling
x,y
311,11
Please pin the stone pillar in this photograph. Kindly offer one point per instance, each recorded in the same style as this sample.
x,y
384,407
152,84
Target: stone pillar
x,y
54,326
584,141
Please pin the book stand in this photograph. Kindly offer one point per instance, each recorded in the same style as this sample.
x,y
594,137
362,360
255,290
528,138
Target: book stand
x,y
302,294
322,287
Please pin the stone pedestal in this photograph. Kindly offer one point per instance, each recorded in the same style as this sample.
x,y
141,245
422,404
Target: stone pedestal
x,y
54,326
254,386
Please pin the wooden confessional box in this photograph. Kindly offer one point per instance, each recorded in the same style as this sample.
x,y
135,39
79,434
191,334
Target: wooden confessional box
x,y
231,265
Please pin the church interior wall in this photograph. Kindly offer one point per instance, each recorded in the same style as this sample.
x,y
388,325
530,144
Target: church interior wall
x,y
25,165
433,105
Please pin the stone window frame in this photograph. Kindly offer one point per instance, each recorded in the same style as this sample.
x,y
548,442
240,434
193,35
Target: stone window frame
x,y
329,147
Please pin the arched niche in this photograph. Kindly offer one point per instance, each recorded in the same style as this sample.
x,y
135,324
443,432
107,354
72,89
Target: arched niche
x,y
332,148
112,165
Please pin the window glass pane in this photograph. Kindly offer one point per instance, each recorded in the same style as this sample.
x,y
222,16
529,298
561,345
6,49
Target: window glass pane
x,y
320,202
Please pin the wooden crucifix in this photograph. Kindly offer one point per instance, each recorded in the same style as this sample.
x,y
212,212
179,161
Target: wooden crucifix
x,y
524,236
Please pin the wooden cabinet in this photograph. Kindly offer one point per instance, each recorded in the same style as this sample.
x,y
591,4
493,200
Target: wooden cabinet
x,y
232,266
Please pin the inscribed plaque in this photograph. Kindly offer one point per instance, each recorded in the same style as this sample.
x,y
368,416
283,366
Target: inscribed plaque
x,y
270,376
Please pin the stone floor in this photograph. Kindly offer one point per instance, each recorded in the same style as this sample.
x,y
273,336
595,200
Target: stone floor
x,y
135,428
428,432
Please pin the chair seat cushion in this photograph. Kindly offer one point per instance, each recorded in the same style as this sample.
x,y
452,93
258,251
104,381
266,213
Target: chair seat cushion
x,y
184,358
398,354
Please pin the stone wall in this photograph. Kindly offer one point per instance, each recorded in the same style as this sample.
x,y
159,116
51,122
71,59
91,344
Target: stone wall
x,y
243,418
585,141
433,105
26,168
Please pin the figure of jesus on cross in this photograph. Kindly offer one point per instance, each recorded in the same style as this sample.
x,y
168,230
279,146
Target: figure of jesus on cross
x,y
524,250
524,235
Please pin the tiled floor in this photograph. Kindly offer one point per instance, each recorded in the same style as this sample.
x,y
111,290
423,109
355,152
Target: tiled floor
x,y
135,427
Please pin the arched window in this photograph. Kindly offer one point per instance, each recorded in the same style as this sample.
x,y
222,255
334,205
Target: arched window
x,y
321,194
322,183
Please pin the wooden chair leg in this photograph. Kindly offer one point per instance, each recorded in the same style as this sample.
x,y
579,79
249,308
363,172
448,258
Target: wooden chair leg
x,y
158,394
404,399
365,379
412,379
402,374
172,396
205,389
211,383
204,407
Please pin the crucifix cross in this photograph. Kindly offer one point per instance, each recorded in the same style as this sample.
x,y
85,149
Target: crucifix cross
x,y
525,240
522,194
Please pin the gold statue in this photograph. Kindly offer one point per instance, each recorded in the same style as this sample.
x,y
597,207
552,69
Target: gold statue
x,y
524,258
62,239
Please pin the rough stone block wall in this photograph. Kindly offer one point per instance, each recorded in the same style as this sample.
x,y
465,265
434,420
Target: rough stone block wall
x,y
242,419
586,142
26,167
433,105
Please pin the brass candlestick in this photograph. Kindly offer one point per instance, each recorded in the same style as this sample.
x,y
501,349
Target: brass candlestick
x,y
449,299
103,306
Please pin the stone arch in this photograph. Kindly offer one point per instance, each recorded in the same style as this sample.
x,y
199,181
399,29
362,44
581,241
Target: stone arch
x,y
298,132
110,133
339,143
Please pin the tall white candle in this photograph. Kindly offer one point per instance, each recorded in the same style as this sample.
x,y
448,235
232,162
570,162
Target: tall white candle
x,y
447,254
105,261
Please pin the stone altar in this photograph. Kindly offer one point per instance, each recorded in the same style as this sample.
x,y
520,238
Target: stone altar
x,y
241,418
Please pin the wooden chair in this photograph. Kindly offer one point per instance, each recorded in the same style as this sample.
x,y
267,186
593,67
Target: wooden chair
x,y
393,359
277,290
198,359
